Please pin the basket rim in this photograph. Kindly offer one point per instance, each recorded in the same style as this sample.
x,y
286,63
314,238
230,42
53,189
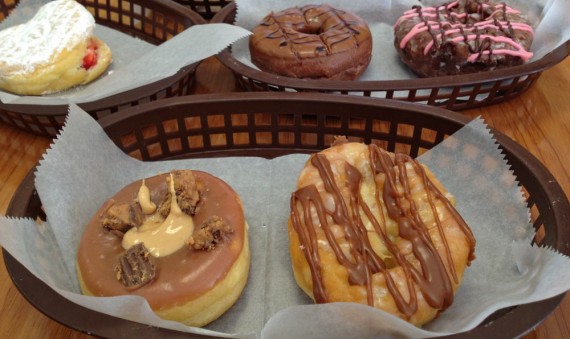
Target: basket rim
x,y
508,146
237,97
547,61
516,322
122,98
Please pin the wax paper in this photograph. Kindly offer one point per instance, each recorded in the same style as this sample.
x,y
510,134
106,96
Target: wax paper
x,y
83,168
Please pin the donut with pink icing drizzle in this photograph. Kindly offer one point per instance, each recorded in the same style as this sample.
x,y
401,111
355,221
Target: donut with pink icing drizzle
x,y
463,36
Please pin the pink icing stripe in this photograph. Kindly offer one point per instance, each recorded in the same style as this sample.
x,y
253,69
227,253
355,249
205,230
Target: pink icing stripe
x,y
426,12
508,10
515,25
429,9
519,50
520,53
421,27
413,12
427,15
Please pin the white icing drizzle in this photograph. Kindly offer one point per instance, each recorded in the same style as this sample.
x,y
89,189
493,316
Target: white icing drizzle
x,y
57,25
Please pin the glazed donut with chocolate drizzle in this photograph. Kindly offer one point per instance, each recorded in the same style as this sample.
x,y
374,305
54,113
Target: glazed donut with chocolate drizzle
x,y
312,42
377,228
177,239
463,36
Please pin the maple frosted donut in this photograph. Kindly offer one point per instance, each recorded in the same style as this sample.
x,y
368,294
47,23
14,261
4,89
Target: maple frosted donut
x,y
53,51
464,36
376,228
313,41
188,257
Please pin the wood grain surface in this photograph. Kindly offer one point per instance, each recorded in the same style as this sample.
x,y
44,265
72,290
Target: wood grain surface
x,y
539,120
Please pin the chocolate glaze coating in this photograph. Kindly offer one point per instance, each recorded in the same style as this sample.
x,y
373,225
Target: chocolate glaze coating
x,y
463,36
312,42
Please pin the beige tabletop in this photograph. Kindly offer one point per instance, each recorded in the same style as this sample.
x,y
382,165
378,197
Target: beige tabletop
x,y
539,120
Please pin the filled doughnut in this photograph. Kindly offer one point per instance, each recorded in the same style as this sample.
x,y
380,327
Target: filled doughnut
x,y
312,42
53,51
373,227
188,256
463,36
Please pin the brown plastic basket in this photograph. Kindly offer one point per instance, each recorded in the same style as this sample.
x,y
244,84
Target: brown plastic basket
x,y
206,8
274,124
6,7
154,21
452,92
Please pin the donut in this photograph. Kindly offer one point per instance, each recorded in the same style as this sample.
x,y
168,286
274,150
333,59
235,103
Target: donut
x,y
463,36
376,228
53,51
312,42
188,257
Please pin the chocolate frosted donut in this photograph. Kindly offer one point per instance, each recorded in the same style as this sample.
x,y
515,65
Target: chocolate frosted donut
x,y
189,258
317,42
377,228
464,36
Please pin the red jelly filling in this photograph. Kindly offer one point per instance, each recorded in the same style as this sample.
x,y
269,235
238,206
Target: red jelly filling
x,y
90,58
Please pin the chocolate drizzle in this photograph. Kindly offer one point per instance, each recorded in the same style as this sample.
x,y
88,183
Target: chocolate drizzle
x,y
496,17
393,191
464,32
312,30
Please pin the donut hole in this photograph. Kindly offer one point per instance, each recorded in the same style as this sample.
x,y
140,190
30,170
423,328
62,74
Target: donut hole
x,y
308,29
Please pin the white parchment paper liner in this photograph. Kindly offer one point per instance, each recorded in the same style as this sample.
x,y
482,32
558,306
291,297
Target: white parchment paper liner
x,y
83,168
135,62
547,16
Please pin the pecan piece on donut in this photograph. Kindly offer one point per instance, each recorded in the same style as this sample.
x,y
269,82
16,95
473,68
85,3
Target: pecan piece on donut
x,y
136,267
119,218
188,192
212,232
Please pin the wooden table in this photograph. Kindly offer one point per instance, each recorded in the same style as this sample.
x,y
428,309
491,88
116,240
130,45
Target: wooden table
x,y
539,120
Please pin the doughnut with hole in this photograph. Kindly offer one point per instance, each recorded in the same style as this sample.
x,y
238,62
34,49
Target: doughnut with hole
x,y
312,42
187,256
373,227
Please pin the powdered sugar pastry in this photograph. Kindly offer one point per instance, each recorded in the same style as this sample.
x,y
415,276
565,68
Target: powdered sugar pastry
x,y
58,25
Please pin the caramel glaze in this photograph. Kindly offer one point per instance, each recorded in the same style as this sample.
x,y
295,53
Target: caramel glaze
x,y
183,275
432,279
311,31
